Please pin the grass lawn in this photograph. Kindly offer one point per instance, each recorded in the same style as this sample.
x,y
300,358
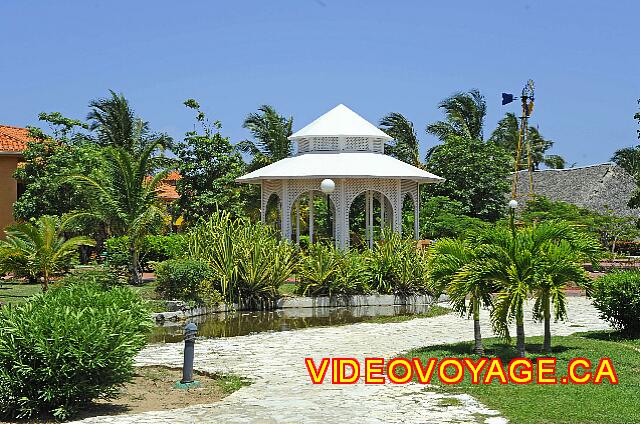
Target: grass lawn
x,y
531,403
287,289
15,292
433,312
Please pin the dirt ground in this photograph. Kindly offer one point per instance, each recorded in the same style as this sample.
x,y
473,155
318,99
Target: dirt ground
x,y
152,389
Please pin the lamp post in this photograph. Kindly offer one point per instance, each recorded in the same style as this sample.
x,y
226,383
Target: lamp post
x,y
190,331
328,186
513,204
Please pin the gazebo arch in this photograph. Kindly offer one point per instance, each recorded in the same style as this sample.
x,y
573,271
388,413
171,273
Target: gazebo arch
x,y
345,148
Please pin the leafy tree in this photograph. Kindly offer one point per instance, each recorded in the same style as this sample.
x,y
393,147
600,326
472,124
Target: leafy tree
x,y
208,165
629,159
476,175
405,145
125,198
464,116
506,135
443,217
608,227
270,131
39,250
449,271
47,160
116,125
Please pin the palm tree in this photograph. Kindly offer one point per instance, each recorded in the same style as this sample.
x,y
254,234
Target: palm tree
x,y
271,131
39,250
464,116
448,266
124,197
506,135
406,145
117,126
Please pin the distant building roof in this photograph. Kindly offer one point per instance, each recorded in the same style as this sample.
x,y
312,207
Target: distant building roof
x,y
167,187
603,187
13,139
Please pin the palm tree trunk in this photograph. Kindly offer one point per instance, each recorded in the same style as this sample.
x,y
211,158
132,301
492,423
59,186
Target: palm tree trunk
x,y
45,282
134,264
520,336
547,324
477,336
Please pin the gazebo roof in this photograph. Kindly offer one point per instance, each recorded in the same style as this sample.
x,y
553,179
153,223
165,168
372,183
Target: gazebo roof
x,y
340,165
340,121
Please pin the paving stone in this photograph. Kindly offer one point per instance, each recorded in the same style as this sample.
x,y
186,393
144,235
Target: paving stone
x,y
282,393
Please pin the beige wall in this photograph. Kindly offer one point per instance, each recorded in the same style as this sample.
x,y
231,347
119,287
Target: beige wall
x,y
8,190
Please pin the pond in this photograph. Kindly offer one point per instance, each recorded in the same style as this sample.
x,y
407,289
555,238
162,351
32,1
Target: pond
x,y
242,323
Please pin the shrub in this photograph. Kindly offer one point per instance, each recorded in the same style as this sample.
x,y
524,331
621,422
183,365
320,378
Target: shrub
x,y
154,248
181,278
103,276
69,346
617,297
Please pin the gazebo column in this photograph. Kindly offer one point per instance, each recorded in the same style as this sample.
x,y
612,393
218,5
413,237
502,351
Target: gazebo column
x,y
311,210
298,221
369,217
285,216
397,208
341,218
263,203
416,213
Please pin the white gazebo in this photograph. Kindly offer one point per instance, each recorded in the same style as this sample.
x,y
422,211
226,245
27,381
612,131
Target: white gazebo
x,y
341,155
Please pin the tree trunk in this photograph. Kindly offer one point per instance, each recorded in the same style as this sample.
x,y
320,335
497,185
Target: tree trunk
x,y
477,336
520,336
547,324
134,264
45,282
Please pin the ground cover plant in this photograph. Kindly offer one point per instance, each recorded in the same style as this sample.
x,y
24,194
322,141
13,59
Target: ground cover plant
x,y
532,403
64,348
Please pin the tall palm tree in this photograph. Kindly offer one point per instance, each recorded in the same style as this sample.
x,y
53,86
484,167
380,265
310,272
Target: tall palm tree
x,y
464,116
40,249
125,198
116,125
270,131
506,135
449,265
405,145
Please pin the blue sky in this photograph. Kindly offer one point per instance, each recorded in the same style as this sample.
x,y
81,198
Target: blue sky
x,y
306,56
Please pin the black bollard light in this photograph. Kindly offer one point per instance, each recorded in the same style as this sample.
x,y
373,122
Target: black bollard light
x,y
190,331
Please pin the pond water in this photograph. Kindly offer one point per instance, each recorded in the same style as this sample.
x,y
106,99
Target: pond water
x,y
242,323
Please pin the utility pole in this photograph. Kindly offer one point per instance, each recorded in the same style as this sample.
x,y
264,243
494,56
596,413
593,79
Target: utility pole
x,y
526,100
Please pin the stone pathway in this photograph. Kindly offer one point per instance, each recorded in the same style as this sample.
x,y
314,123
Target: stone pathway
x,y
282,393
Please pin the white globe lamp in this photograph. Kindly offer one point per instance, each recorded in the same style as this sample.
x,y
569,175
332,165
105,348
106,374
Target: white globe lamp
x,y
513,203
327,186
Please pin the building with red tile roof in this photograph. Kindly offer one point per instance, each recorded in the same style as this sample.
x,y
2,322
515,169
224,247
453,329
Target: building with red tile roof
x,y
13,141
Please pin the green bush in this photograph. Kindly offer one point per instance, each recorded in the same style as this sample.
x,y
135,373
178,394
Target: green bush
x,y
180,279
103,276
617,297
60,350
154,248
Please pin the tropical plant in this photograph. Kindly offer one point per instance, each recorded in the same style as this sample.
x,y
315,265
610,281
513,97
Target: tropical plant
x,y
208,165
248,261
405,145
629,159
451,270
617,297
124,197
270,131
317,269
476,175
62,349
506,135
116,125
40,250
464,116
443,217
